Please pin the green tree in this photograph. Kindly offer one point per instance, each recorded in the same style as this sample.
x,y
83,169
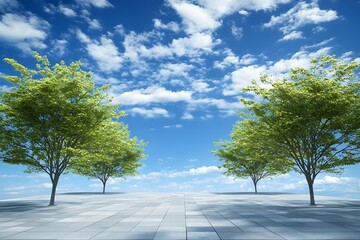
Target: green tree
x,y
313,116
112,153
48,116
251,153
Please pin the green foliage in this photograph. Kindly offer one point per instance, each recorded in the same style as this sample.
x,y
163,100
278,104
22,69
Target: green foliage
x,y
111,153
313,116
49,115
251,153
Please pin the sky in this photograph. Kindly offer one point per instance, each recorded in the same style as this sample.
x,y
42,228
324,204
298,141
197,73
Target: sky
x,y
176,68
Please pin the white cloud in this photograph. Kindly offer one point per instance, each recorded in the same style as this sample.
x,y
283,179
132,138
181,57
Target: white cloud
x,y
300,15
95,3
318,29
175,69
93,23
46,185
4,88
7,5
237,32
173,26
150,113
232,60
243,76
174,174
299,59
152,94
243,12
193,45
136,48
10,189
226,7
173,126
120,29
8,176
187,116
292,35
206,15
195,18
334,180
200,86
25,31
247,59
226,107
59,46
105,53
67,11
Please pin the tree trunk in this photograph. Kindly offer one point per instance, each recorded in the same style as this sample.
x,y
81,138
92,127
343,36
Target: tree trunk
x,y
255,185
53,190
311,191
104,186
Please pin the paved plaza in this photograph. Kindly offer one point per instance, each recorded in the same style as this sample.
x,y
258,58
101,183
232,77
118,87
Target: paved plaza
x,y
180,216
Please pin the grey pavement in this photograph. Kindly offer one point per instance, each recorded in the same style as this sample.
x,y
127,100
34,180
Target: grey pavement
x,y
167,216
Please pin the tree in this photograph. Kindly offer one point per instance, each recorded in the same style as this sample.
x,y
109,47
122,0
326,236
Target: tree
x,y
251,153
112,153
48,116
313,116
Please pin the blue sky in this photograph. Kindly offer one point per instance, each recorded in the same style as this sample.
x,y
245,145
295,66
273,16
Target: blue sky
x,y
176,68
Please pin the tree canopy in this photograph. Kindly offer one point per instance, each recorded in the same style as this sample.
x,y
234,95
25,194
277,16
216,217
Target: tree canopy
x,y
313,116
251,153
112,153
49,116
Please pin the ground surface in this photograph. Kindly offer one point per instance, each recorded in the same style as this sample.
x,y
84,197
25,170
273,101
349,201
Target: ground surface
x,y
179,216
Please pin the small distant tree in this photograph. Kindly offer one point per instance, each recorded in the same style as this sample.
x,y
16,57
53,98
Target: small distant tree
x,y
49,115
112,153
313,116
251,153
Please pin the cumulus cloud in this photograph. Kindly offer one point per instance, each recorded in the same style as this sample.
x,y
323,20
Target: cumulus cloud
x,y
243,76
150,113
7,5
195,18
59,46
187,116
300,15
229,108
104,52
292,35
26,32
95,3
201,86
152,94
174,69
206,15
227,7
232,60
173,26
67,11
193,45
137,47
173,174
237,32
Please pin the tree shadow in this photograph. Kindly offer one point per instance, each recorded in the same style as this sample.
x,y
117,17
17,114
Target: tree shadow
x,y
21,206
252,193
91,193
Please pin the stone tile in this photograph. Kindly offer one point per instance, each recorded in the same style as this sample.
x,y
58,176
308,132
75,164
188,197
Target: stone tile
x,y
170,235
202,235
180,216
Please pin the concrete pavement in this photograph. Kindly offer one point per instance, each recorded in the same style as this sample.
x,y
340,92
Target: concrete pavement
x,y
168,216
